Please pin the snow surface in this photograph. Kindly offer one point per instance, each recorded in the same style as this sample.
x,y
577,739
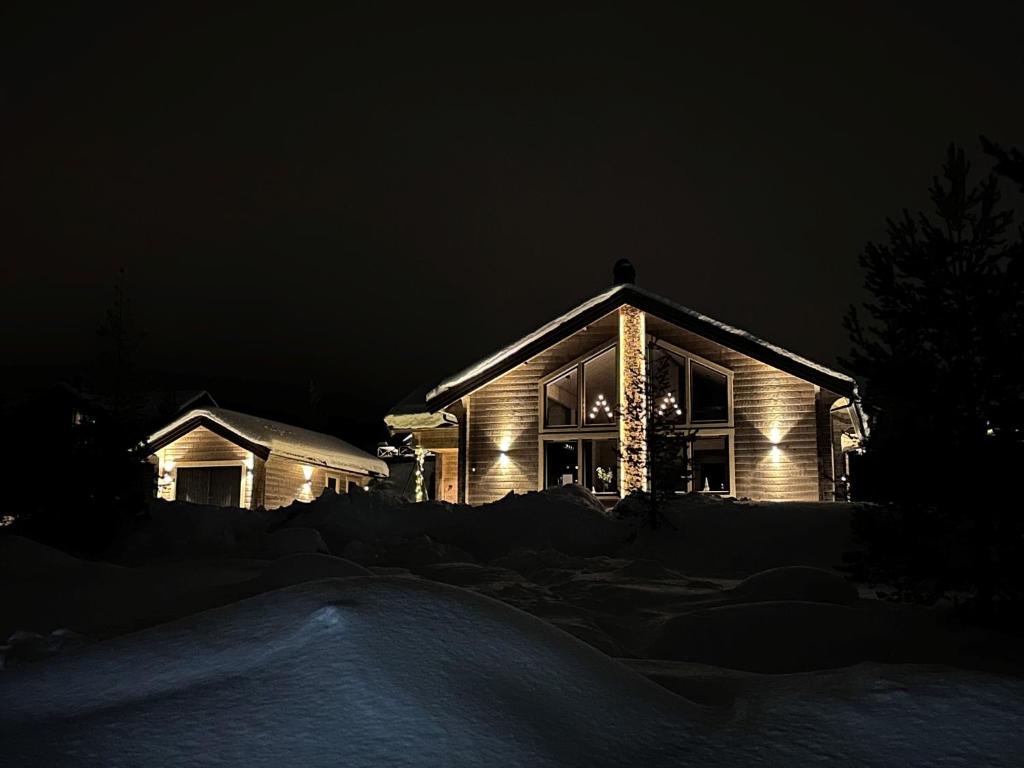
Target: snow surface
x,y
285,440
388,671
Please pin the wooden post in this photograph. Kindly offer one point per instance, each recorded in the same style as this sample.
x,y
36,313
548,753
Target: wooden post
x,y
632,399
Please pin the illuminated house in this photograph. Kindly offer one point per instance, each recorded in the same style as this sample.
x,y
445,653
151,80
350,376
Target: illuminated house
x,y
544,411
224,458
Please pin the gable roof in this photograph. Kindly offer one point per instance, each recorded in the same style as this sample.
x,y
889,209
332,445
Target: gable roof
x,y
263,437
454,387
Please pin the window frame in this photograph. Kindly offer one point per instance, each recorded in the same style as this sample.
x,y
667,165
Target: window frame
x,y
578,363
725,428
691,358
730,436
578,432
579,438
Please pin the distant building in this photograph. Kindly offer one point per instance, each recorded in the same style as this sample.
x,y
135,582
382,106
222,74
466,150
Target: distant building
x,y
224,458
544,411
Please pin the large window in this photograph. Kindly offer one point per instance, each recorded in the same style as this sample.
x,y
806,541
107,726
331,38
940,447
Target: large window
x,y
584,395
711,464
561,462
599,470
579,432
601,465
695,395
561,400
709,398
600,388
688,391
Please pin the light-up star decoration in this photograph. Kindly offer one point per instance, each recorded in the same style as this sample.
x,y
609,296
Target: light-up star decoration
x,y
600,404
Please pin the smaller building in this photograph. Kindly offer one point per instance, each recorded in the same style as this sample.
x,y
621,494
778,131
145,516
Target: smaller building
x,y
224,458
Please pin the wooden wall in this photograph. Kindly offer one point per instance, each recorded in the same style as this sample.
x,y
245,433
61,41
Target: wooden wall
x,y
766,401
202,445
504,414
276,482
502,417
285,481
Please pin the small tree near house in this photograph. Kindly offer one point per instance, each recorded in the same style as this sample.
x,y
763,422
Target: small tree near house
x,y
662,454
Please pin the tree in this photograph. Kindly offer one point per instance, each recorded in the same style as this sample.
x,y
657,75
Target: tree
x,y
662,457
934,347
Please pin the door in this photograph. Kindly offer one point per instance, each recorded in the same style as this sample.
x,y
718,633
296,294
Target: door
x,y
212,486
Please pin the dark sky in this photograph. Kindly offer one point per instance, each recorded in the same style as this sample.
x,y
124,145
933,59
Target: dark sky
x,y
371,197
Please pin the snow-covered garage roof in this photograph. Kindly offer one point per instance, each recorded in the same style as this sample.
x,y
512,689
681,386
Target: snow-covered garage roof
x,y
263,437
450,389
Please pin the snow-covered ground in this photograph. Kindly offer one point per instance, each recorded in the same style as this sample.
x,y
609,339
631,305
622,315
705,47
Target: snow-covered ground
x,y
535,631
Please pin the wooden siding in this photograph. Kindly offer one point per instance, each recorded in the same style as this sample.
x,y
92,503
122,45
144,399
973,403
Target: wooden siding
x,y
503,417
500,451
286,481
437,438
202,446
766,403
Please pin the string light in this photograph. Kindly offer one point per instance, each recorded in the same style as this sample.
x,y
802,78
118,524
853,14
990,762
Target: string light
x,y
600,404
668,403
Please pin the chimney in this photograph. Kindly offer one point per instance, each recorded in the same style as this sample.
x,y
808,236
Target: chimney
x,y
624,273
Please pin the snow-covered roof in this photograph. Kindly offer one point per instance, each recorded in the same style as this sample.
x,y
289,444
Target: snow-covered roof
x,y
498,357
609,300
280,439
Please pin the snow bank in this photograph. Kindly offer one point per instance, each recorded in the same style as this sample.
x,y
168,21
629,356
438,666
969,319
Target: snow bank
x,y
43,591
379,671
727,538
797,582
568,519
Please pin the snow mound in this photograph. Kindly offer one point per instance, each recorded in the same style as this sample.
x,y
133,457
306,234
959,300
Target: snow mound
x,y
383,671
568,519
24,558
354,672
796,582
300,568
782,636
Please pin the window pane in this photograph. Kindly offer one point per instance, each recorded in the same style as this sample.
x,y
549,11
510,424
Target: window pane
x,y
669,470
560,463
601,465
599,387
561,399
668,381
709,394
711,464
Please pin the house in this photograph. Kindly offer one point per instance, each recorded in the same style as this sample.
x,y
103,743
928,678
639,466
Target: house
x,y
544,411
224,458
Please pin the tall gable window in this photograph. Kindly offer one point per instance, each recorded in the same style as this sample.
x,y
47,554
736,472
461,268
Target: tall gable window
x,y
709,394
579,432
695,395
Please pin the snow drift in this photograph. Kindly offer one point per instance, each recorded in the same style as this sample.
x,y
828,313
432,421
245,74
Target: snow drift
x,y
383,671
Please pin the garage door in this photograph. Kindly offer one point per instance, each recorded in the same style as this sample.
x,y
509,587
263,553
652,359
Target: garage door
x,y
213,486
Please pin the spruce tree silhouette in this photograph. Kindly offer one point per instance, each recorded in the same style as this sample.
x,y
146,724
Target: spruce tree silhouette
x,y
937,349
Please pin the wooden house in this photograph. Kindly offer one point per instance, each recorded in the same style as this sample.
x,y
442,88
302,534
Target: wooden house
x,y
224,458
545,410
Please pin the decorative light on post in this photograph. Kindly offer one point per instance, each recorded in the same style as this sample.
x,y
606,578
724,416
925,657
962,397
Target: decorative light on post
x,y
421,484
632,392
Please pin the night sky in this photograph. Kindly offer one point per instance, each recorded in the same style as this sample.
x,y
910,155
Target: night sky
x,y
373,197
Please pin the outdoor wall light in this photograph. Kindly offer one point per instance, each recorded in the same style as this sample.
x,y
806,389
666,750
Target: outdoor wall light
x,y
307,472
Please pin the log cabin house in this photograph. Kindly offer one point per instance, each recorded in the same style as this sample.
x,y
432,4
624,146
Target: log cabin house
x,y
224,458
544,411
